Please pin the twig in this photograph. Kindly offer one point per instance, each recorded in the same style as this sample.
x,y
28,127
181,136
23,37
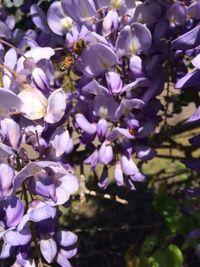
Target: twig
x,y
106,196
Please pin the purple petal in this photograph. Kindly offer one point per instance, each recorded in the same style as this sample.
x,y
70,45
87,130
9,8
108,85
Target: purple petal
x,y
48,248
105,106
67,185
38,211
195,116
40,79
78,10
5,31
102,128
190,79
9,102
127,105
132,39
58,22
195,141
103,181
98,58
94,88
146,129
144,152
189,40
5,251
92,159
193,164
84,124
38,17
14,209
30,169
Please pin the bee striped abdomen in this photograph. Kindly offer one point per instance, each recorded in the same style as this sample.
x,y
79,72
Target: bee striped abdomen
x,y
79,46
67,63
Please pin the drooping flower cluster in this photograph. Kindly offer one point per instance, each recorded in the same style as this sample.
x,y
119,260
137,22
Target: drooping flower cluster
x,y
98,108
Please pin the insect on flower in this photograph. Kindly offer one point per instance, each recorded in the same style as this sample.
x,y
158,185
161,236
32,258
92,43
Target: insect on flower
x,y
79,46
67,63
77,50
132,131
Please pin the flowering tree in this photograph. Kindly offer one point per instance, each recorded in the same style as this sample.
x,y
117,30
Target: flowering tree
x,y
89,88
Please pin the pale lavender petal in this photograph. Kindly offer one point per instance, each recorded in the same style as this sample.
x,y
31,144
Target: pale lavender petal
x,y
105,153
190,79
30,169
56,106
15,238
59,140
84,124
38,211
70,146
5,31
62,260
114,82
48,248
94,88
5,251
136,66
11,130
57,20
138,177
9,102
6,180
144,152
102,128
38,17
14,209
118,174
40,78
103,181
196,61
98,58
66,238
128,166
110,22
82,11
92,159
69,253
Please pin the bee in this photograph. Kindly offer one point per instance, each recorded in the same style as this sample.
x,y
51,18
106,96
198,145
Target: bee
x,y
67,63
79,46
132,131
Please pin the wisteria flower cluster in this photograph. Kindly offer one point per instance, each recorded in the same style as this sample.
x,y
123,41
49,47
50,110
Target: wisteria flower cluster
x,y
79,87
